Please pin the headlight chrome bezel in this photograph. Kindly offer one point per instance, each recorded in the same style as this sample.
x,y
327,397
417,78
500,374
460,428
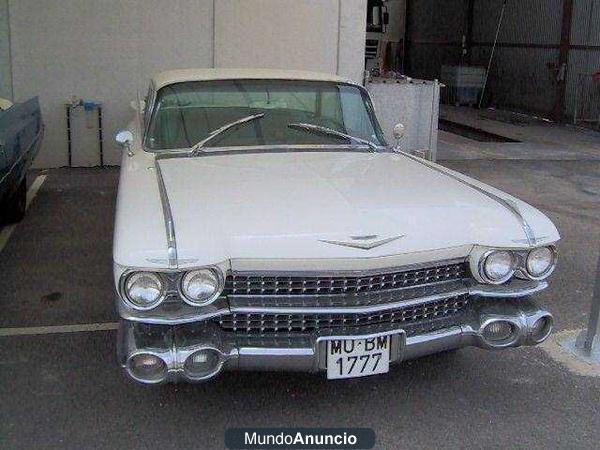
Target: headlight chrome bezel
x,y
220,285
520,266
482,266
126,294
525,270
172,291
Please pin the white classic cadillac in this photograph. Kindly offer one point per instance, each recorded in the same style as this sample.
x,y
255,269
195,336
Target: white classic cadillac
x,y
263,223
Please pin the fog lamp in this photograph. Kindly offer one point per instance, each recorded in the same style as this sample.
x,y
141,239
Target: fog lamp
x,y
498,332
147,368
202,363
541,329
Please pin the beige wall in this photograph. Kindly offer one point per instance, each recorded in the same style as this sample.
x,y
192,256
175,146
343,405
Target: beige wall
x,y
290,31
322,35
106,50
101,50
351,57
5,69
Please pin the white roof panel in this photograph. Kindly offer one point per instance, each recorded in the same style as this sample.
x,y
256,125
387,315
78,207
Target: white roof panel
x,y
178,76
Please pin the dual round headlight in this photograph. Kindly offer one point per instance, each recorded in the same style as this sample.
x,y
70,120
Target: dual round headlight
x,y
202,286
540,262
498,266
146,290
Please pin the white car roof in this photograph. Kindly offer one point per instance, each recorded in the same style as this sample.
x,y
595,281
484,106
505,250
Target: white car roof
x,y
5,103
178,76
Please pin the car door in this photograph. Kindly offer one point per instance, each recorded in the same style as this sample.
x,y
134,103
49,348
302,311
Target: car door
x,y
19,127
4,163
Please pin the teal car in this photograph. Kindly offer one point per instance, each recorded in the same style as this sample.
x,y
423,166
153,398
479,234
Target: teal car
x,y
21,132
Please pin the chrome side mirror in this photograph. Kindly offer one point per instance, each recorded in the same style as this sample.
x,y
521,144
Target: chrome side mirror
x,y
125,139
398,133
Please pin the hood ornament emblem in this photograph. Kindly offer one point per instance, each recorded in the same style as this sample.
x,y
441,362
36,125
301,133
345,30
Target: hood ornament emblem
x,y
363,242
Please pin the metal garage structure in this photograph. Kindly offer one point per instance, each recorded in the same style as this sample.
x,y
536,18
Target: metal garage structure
x,y
545,57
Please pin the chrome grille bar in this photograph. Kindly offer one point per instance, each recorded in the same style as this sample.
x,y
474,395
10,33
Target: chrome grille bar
x,y
264,323
366,301
265,285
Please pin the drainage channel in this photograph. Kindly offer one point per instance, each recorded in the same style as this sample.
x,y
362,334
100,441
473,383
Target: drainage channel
x,y
473,133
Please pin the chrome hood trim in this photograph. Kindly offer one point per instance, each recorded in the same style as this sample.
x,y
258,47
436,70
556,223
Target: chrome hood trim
x,y
531,240
168,217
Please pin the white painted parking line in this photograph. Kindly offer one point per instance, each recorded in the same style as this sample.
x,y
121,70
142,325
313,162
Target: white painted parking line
x,y
31,193
86,327
555,346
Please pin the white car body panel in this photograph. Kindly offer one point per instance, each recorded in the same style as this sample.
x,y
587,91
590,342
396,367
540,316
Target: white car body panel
x,y
281,206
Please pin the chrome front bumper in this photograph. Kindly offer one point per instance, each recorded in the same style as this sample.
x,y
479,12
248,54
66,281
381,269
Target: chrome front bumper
x,y
306,352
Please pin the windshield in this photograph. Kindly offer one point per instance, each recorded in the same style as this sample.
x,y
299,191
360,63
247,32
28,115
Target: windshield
x,y
186,113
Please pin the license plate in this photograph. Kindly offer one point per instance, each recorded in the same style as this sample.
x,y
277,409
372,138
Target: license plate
x,y
358,357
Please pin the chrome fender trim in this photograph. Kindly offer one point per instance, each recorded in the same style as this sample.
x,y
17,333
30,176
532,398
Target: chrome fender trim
x,y
507,203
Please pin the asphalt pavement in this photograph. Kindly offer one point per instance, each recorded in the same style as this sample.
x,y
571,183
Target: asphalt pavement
x,y
65,390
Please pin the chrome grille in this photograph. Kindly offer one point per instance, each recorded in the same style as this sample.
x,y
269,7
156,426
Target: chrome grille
x,y
241,284
350,300
264,323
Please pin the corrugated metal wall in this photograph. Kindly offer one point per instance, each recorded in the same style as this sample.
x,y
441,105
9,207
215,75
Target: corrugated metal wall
x,y
583,95
434,33
525,68
521,77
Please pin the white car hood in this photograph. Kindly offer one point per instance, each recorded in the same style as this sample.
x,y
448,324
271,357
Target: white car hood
x,y
285,205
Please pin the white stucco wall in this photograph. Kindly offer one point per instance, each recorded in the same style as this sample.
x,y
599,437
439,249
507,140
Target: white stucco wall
x,y
5,69
106,50
101,50
292,31
351,57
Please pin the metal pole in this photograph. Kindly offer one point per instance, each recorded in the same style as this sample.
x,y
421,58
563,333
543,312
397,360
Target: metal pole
x,y
592,329
487,72
68,109
434,87
100,136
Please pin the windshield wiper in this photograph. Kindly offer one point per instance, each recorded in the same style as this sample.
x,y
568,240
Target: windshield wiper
x,y
331,132
213,134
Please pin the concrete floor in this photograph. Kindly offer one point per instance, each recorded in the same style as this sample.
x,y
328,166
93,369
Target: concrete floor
x,y
540,139
66,391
